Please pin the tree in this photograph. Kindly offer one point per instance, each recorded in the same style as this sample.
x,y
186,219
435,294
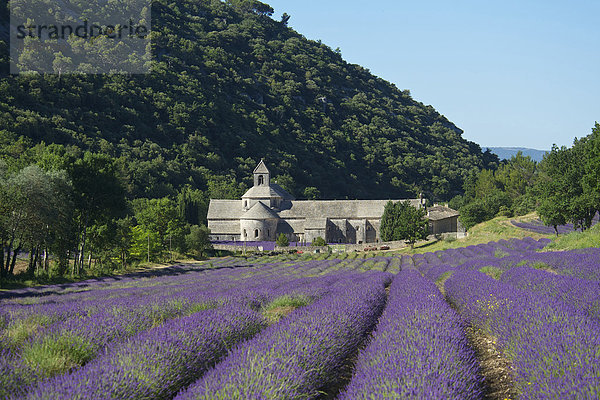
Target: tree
x,y
562,189
5,209
282,240
285,18
193,205
220,187
123,239
319,241
591,180
402,221
99,195
35,215
389,222
312,193
517,175
484,209
144,245
252,6
198,240
553,209
163,217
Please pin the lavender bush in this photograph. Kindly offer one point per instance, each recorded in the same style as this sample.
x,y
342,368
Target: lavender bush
x,y
157,363
418,351
299,356
553,346
580,293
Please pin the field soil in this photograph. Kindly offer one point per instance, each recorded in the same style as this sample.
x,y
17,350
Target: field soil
x,y
496,369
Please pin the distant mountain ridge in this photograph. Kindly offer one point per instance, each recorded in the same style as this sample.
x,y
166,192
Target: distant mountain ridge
x,y
508,152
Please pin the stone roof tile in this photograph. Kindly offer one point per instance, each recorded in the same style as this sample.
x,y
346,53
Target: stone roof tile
x,y
261,192
259,211
437,213
338,209
225,209
224,227
261,168
315,223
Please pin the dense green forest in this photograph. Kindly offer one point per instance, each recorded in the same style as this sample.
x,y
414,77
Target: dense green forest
x,y
230,83
563,188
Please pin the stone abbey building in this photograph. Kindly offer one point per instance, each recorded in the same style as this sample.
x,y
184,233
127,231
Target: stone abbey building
x,y
267,210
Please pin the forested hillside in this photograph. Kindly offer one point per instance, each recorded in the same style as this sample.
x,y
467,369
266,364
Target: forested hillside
x,y
563,188
231,84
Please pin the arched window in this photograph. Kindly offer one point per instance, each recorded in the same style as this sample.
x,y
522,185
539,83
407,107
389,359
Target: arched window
x,y
245,233
245,203
256,233
261,179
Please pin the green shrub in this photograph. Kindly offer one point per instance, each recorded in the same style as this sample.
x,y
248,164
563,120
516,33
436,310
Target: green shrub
x,y
319,241
282,241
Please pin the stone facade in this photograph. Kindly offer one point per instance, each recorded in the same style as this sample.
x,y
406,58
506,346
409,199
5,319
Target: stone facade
x,y
266,210
443,219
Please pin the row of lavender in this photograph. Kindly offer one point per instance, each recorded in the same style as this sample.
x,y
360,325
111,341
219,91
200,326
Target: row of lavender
x,y
552,345
538,226
297,355
541,309
419,349
61,332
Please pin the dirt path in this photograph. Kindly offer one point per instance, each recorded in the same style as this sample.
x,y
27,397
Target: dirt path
x,y
499,383
346,372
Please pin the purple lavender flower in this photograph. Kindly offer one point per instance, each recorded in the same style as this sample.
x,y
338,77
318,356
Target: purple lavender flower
x,y
552,345
156,363
419,349
299,356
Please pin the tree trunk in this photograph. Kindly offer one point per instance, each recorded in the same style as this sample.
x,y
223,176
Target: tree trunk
x,y
14,259
2,270
30,267
75,257
8,253
83,239
46,261
37,261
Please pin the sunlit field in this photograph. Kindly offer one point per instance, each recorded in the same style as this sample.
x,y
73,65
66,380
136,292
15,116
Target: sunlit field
x,y
396,326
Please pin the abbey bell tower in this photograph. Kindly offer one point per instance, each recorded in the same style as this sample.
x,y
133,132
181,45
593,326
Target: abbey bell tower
x,y
262,176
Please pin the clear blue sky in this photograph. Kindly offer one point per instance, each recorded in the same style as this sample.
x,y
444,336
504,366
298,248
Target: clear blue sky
x,y
509,73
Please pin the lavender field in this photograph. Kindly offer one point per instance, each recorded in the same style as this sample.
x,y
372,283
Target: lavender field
x,y
353,327
538,226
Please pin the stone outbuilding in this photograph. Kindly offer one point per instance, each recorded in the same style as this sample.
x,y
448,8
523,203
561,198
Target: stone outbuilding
x,y
443,219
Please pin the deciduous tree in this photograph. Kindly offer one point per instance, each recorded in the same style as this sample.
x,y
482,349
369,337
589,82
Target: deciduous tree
x,y
402,221
198,240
